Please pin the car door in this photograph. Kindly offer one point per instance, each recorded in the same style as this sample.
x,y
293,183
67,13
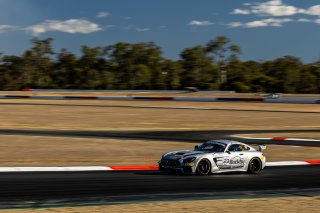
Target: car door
x,y
236,156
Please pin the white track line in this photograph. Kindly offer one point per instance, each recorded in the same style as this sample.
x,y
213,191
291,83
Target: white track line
x,y
55,169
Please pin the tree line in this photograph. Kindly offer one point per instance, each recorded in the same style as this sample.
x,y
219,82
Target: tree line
x,y
211,66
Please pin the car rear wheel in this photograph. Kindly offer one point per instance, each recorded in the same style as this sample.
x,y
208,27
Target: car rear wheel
x,y
255,166
203,167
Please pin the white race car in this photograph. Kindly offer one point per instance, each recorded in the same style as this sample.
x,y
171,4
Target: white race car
x,y
215,156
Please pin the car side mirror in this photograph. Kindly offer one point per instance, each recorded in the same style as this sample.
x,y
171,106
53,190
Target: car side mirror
x,y
196,147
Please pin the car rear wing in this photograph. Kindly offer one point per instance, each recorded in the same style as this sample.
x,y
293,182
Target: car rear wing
x,y
260,146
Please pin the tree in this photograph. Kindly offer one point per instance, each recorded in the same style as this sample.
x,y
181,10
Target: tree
x,y
286,71
224,52
172,71
132,59
197,68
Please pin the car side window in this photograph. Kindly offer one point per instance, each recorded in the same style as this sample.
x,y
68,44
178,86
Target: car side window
x,y
235,148
245,148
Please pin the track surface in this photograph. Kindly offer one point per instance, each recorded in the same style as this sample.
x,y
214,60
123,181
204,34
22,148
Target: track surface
x,y
115,187
184,136
81,185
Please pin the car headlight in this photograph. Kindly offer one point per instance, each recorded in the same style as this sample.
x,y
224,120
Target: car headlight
x,y
189,161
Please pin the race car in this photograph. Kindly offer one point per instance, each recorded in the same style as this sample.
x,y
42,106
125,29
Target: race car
x,y
215,156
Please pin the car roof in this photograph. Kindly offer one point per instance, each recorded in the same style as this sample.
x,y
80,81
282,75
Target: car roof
x,y
223,141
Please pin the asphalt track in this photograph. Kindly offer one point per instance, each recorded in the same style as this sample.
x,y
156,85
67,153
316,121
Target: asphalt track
x,y
46,189
183,136
43,189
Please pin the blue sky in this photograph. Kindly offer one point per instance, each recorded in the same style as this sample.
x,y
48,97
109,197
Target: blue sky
x,y
263,29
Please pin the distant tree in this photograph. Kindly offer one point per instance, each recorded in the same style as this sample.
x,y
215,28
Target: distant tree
x,y
222,49
197,69
142,66
172,71
286,71
130,60
223,52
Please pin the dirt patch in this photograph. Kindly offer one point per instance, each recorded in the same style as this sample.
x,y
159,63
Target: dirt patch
x,y
262,205
198,105
160,94
113,118
60,151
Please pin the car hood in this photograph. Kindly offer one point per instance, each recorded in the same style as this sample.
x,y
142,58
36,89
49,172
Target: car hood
x,y
183,154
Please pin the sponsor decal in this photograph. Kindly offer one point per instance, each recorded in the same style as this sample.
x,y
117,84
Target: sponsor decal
x,y
227,163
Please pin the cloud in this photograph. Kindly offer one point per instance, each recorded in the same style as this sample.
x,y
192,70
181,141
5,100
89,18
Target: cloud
x,y
274,8
7,28
314,10
304,20
241,12
142,29
103,14
127,18
271,22
69,26
199,23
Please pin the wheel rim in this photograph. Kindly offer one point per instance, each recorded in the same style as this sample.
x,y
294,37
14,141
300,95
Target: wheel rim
x,y
255,166
203,167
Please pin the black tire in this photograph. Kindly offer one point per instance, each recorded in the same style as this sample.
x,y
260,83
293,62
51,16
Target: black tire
x,y
254,166
160,168
203,167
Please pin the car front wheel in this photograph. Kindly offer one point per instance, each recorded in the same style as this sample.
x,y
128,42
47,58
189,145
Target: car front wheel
x,y
203,167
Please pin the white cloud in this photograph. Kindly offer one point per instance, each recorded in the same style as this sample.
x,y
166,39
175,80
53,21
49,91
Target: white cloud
x,y
270,8
68,26
235,24
241,12
274,8
317,21
103,14
271,22
304,20
7,28
127,18
142,29
314,10
200,23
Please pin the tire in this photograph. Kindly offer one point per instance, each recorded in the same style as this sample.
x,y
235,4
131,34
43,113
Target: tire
x,y
160,168
254,166
203,167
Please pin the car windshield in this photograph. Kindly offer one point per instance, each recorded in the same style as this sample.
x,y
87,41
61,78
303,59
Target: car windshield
x,y
211,147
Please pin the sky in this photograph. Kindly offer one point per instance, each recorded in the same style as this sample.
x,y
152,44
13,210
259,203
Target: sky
x,y
264,29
